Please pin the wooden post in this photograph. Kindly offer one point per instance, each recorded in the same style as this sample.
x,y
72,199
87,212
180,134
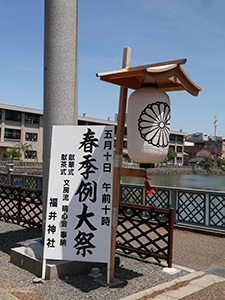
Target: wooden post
x,y
118,160
170,239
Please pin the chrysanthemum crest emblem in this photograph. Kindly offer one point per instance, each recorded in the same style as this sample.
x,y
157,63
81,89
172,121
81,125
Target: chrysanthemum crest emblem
x,y
154,124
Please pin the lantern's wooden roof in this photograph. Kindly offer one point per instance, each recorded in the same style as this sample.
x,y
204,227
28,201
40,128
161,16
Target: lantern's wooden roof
x,y
168,75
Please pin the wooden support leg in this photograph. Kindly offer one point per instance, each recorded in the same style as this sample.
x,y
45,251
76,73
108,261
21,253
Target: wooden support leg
x,y
118,160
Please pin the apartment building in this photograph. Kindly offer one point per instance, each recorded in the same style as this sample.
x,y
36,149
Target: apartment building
x,y
25,126
20,125
177,139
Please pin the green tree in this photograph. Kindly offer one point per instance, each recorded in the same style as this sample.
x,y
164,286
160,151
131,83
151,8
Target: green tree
x,y
171,155
17,151
186,157
220,162
206,163
12,153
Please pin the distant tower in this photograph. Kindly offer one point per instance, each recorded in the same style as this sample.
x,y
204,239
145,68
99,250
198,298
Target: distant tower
x,y
215,127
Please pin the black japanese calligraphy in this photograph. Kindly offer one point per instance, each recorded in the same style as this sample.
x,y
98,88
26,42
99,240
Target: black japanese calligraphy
x,y
63,242
52,215
63,166
51,229
71,164
87,190
108,134
67,164
65,208
53,202
106,198
106,209
88,166
89,141
106,168
78,218
51,242
106,186
105,221
84,244
107,155
108,145
84,217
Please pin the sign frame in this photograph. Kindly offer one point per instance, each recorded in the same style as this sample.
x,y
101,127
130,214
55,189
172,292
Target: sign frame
x,y
79,204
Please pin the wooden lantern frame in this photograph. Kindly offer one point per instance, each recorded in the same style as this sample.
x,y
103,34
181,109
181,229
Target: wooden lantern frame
x,y
169,76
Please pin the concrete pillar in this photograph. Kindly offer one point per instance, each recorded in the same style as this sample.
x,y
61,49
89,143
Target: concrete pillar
x,y
60,74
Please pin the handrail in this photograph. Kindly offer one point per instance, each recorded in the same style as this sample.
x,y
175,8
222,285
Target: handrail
x,y
192,207
169,188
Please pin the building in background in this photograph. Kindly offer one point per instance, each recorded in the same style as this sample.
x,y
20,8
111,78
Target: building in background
x,y
21,125
196,137
177,139
25,126
216,148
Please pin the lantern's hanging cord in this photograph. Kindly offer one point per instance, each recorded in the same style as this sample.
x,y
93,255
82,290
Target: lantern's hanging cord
x,y
148,188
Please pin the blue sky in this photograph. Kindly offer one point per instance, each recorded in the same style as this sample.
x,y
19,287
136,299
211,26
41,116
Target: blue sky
x,y
155,30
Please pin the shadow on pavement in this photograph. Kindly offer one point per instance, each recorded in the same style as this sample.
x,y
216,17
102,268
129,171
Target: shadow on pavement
x,y
16,237
85,284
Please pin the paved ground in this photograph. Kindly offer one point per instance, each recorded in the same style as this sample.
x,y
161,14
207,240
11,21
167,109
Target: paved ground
x,y
192,250
134,275
200,252
213,292
196,285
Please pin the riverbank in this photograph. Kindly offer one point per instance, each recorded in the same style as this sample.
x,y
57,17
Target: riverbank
x,y
152,171
24,170
184,171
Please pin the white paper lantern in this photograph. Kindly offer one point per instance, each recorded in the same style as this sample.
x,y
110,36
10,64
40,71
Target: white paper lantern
x,y
148,125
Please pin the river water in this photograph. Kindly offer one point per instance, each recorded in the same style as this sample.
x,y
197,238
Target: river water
x,y
193,181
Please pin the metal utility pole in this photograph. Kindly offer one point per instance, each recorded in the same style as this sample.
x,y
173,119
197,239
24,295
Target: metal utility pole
x,y
215,127
60,74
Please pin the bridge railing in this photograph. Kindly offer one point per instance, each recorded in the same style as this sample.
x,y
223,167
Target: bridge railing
x,y
28,181
202,208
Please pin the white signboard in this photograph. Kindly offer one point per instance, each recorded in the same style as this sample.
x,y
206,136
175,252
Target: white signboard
x,y
79,206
